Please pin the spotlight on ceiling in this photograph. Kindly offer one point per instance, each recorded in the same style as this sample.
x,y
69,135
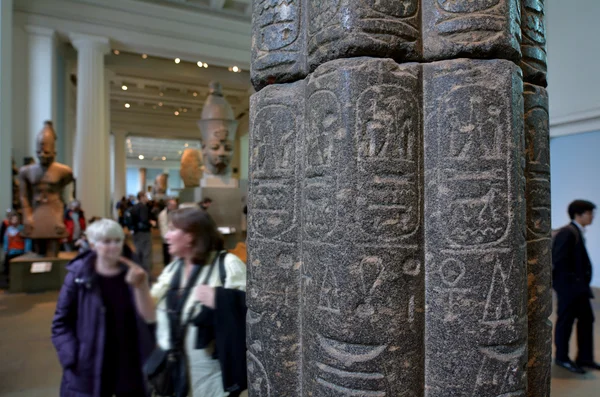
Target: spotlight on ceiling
x,y
141,157
144,56
124,87
127,105
177,60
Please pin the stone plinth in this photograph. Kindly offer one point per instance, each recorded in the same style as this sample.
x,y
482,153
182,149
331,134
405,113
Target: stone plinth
x,y
22,279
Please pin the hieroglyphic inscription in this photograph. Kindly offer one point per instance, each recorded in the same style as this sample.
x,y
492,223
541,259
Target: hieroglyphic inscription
x,y
533,46
362,270
539,245
388,131
474,226
274,271
320,206
475,28
348,28
278,41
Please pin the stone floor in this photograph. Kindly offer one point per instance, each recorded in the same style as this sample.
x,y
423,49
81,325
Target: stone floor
x,y
29,367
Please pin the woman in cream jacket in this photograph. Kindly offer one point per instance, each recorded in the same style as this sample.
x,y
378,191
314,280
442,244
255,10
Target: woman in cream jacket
x,y
193,238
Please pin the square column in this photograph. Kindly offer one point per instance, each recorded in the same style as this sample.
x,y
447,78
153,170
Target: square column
x,y
6,15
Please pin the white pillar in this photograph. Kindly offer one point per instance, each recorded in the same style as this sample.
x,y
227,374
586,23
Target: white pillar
x,y
41,92
6,15
119,166
108,74
143,186
91,149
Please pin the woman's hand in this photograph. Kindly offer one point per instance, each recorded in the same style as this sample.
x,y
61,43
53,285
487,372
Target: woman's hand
x,y
136,276
206,296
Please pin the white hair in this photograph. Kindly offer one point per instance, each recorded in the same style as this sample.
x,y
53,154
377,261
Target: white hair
x,y
103,229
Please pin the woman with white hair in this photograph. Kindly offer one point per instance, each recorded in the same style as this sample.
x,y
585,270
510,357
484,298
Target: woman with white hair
x,y
100,339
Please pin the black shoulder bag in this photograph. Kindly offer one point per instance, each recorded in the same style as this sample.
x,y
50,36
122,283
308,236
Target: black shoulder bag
x,y
166,370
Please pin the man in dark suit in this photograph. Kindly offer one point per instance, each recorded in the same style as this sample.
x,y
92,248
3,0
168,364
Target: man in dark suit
x,y
571,276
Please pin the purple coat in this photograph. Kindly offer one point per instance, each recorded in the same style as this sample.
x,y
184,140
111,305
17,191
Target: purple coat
x,y
78,330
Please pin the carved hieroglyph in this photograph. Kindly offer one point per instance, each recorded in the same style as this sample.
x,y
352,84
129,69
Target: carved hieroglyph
x,y
533,47
362,254
476,275
273,295
539,243
291,38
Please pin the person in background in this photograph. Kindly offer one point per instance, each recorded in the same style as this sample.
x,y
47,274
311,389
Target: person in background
x,y
122,206
571,277
14,242
75,224
163,225
139,221
205,204
101,341
6,221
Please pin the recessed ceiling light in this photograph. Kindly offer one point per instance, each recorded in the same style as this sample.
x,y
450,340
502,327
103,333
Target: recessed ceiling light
x,y
160,104
205,65
127,105
141,157
164,158
235,69
186,145
177,60
116,52
124,87
176,113
195,94
144,56
161,93
184,110
199,64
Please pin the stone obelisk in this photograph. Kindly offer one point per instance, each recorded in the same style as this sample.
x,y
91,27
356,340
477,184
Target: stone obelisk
x,y
396,186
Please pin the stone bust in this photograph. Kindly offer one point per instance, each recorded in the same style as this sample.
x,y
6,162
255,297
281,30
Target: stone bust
x,y
218,127
41,188
192,168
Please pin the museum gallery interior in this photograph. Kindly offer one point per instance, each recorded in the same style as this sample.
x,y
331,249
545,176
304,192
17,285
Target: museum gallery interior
x,y
383,169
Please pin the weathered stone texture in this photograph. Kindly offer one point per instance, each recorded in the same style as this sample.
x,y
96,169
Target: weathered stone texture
x,y
539,243
350,28
533,47
278,42
476,274
273,294
471,29
362,255
293,37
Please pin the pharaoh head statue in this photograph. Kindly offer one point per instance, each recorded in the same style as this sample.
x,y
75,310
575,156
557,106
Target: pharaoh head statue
x,y
46,144
218,127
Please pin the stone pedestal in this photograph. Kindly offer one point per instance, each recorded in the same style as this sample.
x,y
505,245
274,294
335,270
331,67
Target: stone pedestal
x,y
33,273
226,209
393,220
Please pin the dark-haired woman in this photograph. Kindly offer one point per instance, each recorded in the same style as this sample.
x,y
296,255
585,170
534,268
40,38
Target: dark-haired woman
x,y
195,241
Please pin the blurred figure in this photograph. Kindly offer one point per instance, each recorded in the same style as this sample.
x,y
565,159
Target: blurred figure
x,y
75,224
101,341
14,242
571,277
163,225
205,204
139,220
200,315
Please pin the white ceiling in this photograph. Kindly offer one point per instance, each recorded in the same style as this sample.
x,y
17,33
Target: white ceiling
x,y
154,149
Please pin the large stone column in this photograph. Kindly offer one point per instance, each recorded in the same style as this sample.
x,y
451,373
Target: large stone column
x,y
91,150
387,238
108,74
42,81
6,29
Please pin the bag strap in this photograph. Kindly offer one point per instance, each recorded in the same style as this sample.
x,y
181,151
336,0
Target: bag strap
x,y
222,272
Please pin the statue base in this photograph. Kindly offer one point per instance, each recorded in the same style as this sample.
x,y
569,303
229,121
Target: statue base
x,y
36,273
226,209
